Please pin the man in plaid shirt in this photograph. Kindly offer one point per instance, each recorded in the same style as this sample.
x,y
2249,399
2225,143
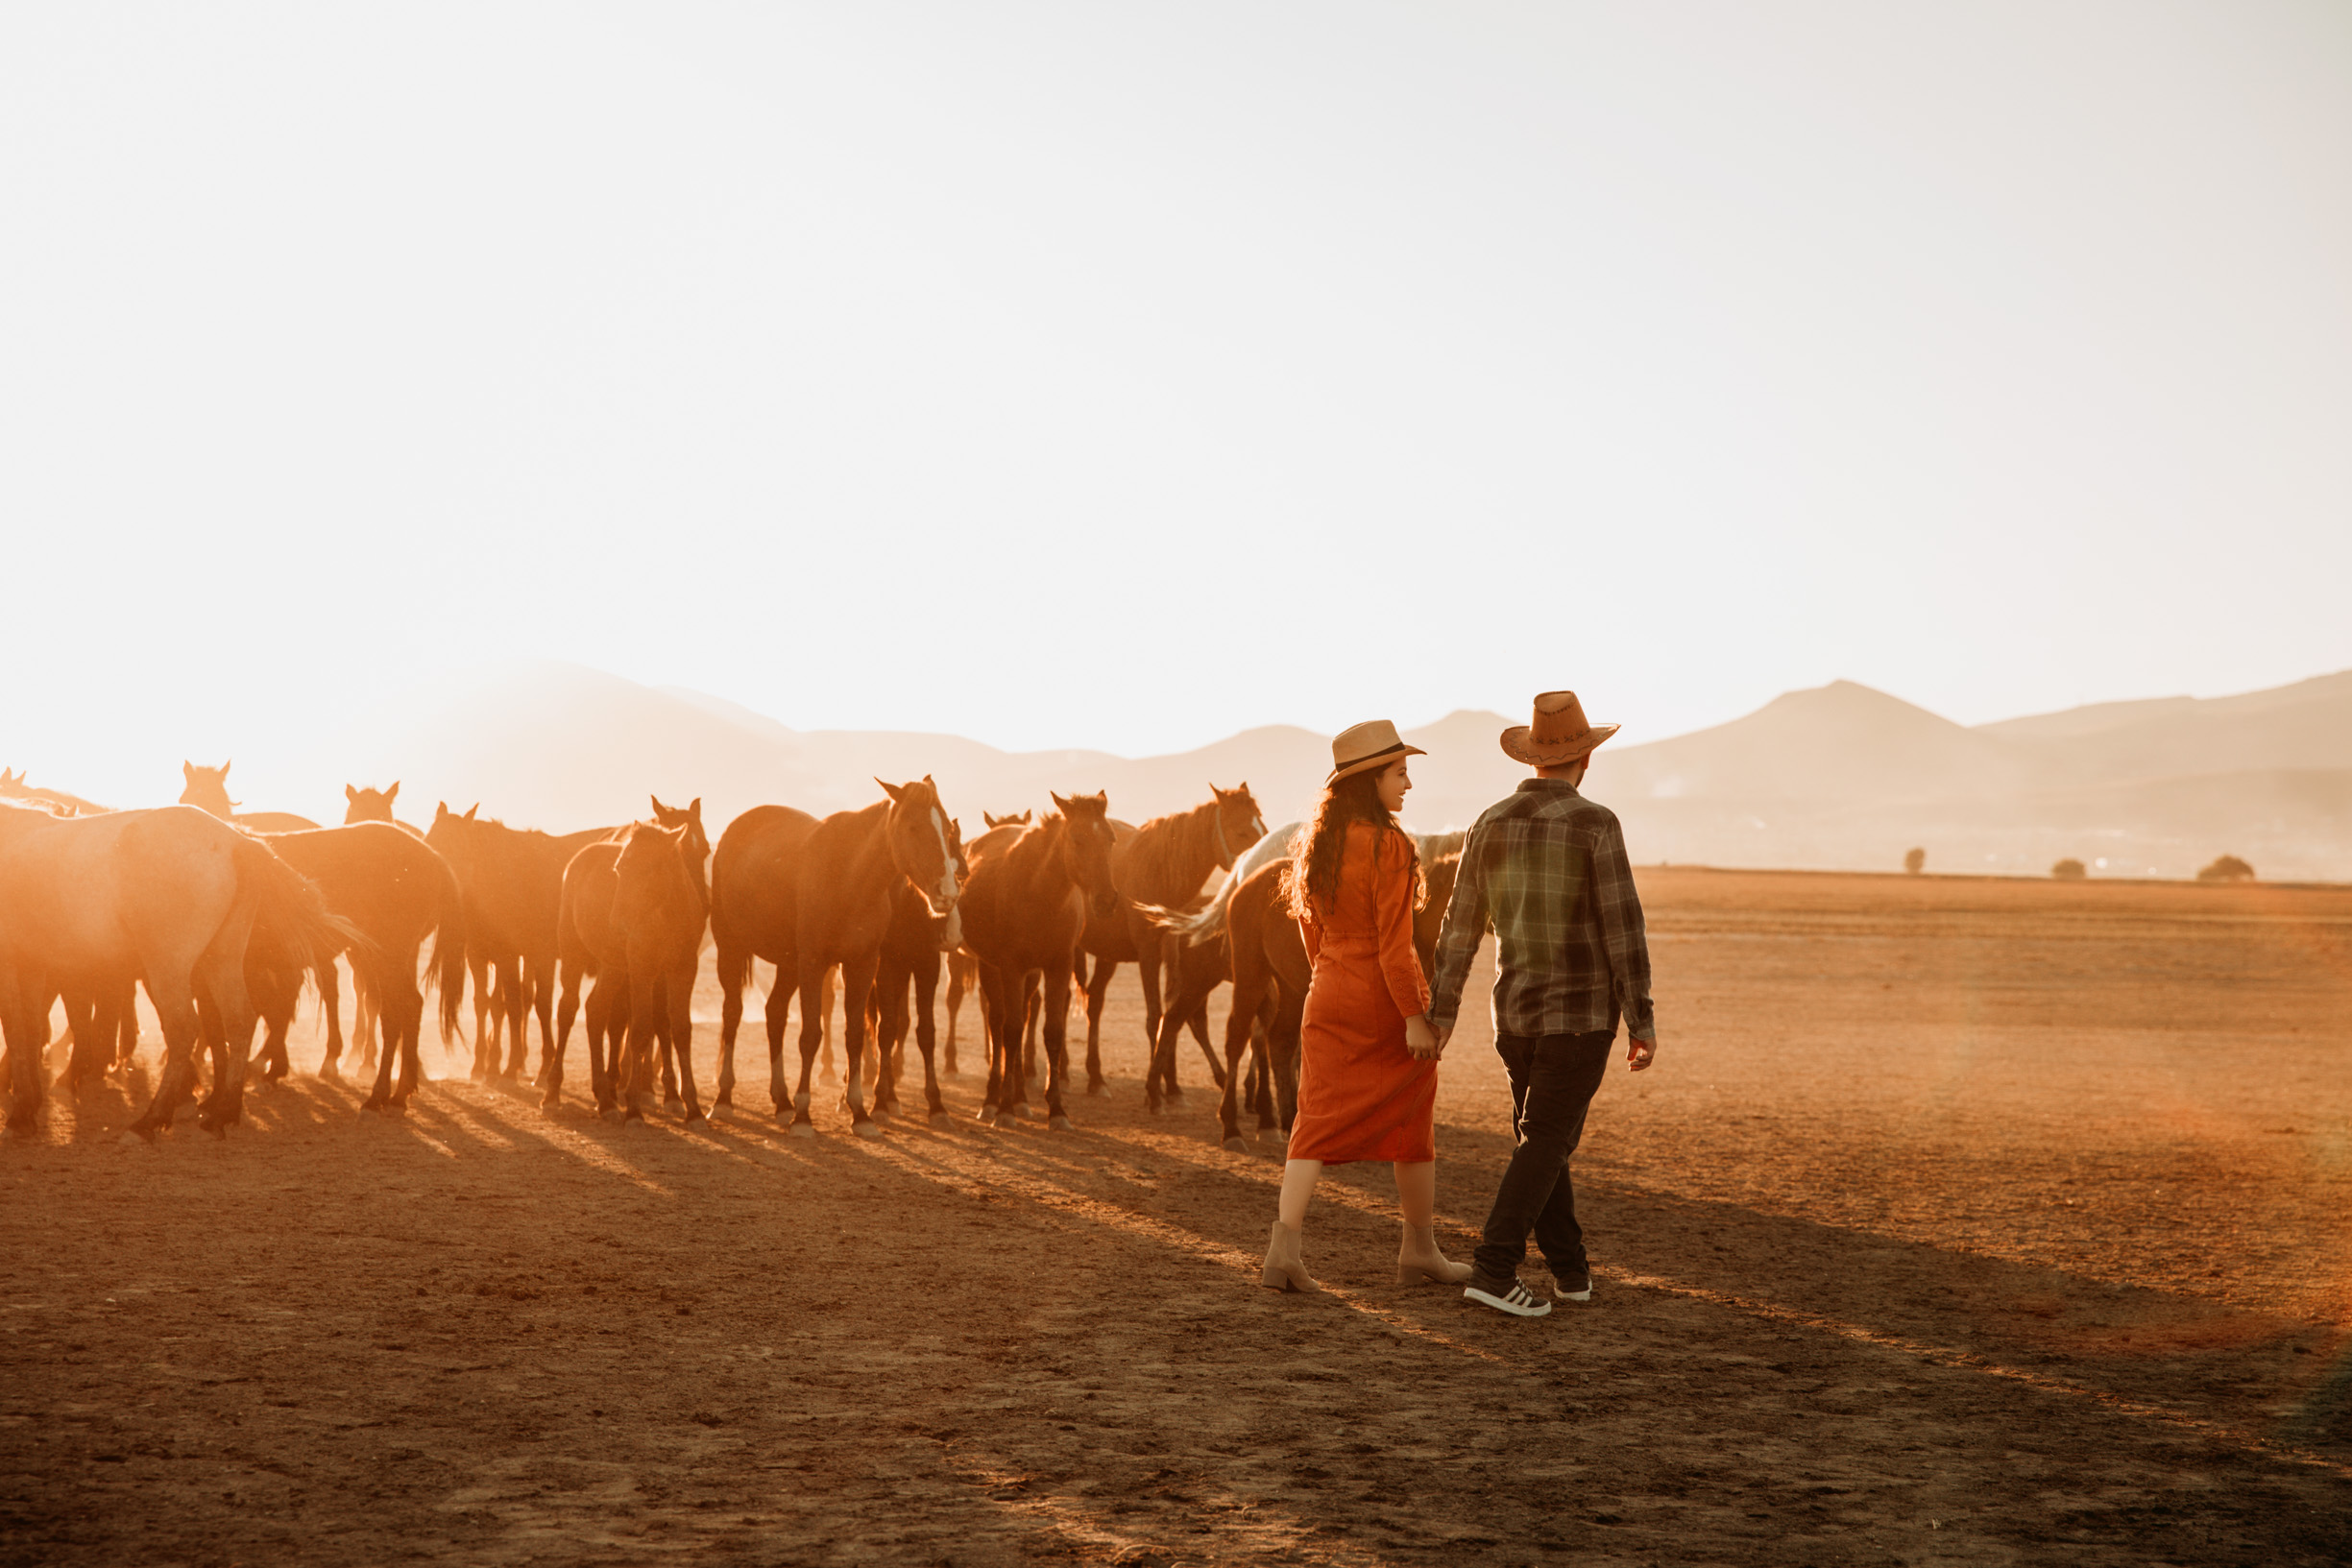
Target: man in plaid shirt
x,y
1546,869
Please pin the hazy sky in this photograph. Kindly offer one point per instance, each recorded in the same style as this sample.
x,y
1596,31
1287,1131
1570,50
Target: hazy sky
x,y
1121,376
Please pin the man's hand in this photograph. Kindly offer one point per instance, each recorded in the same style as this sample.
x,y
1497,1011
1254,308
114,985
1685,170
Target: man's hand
x,y
1640,1053
1421,1039
1445,1034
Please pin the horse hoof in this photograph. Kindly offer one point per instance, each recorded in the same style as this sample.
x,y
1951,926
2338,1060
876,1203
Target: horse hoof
x,y
329,1073
131,1138
868,1130
609,1113
1096,1086
1237,1145
698,1119
941,1118
803,1129
1061,1122
985,1116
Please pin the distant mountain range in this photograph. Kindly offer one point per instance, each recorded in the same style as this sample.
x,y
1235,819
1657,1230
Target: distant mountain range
x,y
1838,777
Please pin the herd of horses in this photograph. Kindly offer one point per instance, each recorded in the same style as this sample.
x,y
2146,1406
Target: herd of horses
x,y
222,915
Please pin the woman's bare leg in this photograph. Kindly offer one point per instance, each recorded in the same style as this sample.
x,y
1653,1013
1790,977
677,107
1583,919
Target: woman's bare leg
x,y
1299,1179
1417,1190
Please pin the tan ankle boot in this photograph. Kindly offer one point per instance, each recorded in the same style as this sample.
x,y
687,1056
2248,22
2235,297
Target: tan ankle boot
x,y
1417,1259
1284,1271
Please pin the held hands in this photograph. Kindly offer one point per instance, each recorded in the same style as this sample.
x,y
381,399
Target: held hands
x,y
1640,1053
1423,1042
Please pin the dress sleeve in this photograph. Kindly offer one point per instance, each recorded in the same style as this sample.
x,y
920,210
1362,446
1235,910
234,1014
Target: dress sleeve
x,y
1392,898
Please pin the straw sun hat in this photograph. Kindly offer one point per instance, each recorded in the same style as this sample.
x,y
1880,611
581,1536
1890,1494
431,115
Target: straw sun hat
x,y
1373,743
1559,735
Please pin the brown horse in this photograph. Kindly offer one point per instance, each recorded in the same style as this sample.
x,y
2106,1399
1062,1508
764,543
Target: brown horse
x,y
910,951
594,941
1200,960
514,885
206,789
754,914
850,871
661,906
13,787
1271,975
393,891
170,895
1165,865
102,1024
963,970
1023,912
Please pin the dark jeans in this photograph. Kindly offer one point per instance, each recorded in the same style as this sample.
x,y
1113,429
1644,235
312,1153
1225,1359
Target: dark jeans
x,y
1553,1077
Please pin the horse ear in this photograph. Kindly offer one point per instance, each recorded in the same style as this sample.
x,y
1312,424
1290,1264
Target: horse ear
x,y
350,795
471,809
394,790
694,808
658,807
440,808
187,771
1059,805
896,792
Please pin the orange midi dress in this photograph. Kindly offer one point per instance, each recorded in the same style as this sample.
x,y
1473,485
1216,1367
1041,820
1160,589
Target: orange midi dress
x,y
1361,1095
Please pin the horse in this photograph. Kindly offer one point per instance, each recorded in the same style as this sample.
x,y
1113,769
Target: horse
x,y
1271,975
13,787
1199,957
849,873
755,912
661,906
395,890
172,895
94,1020
963,970
374,806
1164,865
1023,912
910,949
206,789
593,942
514,885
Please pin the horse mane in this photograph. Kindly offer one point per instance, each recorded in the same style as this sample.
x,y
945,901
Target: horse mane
x,y
1436,847
1207,923
1158,855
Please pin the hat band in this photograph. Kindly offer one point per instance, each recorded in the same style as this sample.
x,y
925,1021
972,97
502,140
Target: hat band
x,y
1370,756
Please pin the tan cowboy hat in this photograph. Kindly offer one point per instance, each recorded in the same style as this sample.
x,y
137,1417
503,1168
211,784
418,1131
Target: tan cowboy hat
x,y
1558,736
1373,743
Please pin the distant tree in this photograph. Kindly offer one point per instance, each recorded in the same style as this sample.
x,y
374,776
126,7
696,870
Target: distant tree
x,y
2069,870
2227,869
1915,861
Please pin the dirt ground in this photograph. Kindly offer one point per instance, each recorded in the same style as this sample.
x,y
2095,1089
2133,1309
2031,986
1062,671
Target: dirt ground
x,y
1960,1222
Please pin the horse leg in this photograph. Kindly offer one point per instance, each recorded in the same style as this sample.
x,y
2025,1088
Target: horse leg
x,y
26,1029
484,1045
1020,1045
885,1021
734,970
780,995
222,978
1246,993
955,1005
679,994
518,993
551,1065
996,1014
814,973
927,1037
92,1040
367,1020
402,1016
381,1092
1097,991
1054,1000
857,985
667,1044
330,1002
540,984
1289,1013
832,988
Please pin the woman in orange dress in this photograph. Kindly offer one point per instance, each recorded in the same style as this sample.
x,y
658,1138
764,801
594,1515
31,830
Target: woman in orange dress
x,y
1367,1076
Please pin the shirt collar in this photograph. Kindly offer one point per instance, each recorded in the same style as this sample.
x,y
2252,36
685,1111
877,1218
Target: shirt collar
x,y
1548,787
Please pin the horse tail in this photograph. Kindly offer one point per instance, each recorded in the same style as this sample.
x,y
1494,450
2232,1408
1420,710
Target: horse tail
x,y
290,917
448,967
1195,927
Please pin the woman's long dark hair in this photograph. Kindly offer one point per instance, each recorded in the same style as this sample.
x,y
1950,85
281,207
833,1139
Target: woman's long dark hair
x,y
1319,847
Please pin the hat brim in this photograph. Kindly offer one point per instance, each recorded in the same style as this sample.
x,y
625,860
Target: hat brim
x,y
1379,758
1520,749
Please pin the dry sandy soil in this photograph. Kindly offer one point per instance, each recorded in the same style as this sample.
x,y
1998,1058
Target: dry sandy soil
x,y
1961,1222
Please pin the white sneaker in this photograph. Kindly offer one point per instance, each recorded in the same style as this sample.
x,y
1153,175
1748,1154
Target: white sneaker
x,y
1514,1298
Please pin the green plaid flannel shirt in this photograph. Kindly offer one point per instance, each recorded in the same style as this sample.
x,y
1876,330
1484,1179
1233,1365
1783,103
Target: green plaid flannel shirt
x,y
1547,868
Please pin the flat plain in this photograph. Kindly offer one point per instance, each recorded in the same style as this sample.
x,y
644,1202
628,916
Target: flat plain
x,y
1962,1220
